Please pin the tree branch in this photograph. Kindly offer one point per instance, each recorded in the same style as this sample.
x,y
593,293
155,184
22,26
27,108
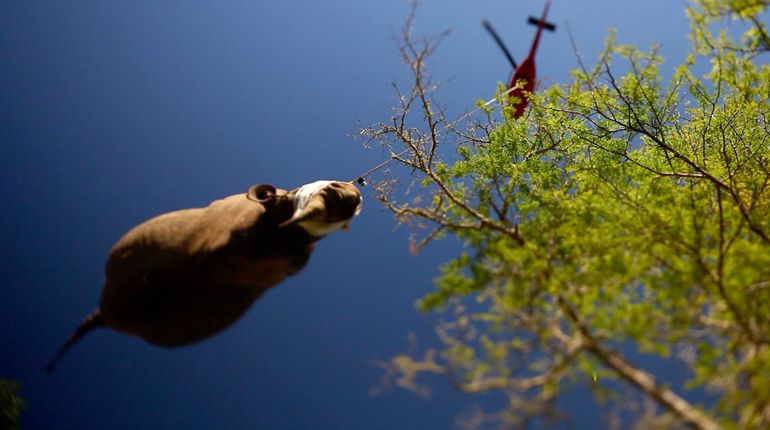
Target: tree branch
x,y
638,377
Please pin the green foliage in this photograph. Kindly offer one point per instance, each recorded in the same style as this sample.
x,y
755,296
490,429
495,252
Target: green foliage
x,y
622,210
11,404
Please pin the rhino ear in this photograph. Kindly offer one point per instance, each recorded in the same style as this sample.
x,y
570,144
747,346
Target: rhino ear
x,y
261,193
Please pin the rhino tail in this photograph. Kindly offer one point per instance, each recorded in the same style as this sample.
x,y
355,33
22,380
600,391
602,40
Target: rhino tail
x,y
92,321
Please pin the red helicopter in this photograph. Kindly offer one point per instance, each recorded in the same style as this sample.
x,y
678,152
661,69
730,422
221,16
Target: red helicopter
x,y
526,70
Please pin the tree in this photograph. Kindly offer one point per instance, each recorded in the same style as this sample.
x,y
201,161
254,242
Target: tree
x,y
624,217
11,404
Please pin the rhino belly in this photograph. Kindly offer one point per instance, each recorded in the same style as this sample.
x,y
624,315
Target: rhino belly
x,y
187,305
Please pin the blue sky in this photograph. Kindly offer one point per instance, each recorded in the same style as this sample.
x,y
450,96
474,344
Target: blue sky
x,y
113,112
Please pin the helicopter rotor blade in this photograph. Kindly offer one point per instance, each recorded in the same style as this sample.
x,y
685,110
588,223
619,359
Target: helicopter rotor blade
x,y
546,25
493,33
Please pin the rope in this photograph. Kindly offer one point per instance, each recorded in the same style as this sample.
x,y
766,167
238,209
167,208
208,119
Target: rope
x,y
361,179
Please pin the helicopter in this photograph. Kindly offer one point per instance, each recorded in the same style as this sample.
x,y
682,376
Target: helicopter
x,y
524,74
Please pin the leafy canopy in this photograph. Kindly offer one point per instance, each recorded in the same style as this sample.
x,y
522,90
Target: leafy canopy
x,y
624,214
